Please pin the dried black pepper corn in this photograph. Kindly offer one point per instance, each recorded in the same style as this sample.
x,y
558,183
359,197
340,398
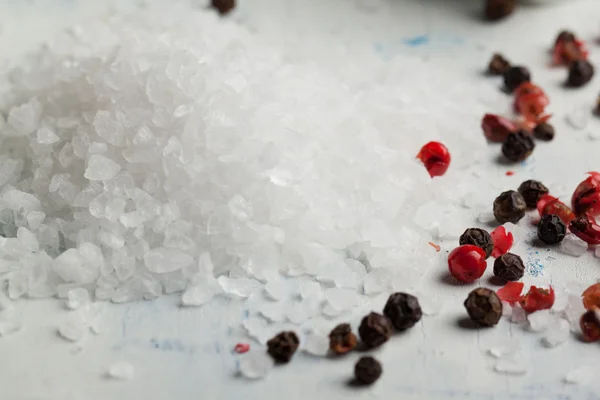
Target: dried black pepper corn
x,y
580,73
532,191
484,307
478,237
403,310
283,346
551,229
517,146
565,36
375,329
367,370
509,267
514,76
223,6
341,339
498,9
498,64
544,131
509,207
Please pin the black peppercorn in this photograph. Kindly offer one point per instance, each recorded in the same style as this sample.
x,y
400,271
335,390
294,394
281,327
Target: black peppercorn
x,y
283,346
509,267
514,76
484,307
498,9
517,146
498,64
532,191
341,339
223,6
580,73
565,36
509,207
544,131
551,229
478,237
403,310
375,330
367,370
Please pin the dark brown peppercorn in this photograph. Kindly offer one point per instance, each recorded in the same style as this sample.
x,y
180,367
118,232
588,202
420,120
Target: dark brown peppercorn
x,y
565,36
551,229
484,307
580,73
478,237
514,76
283,346
498,65
517,146
498,9
223,6
509,267
367,370
341,339
544,131
509,207
403,310
375,330
532,191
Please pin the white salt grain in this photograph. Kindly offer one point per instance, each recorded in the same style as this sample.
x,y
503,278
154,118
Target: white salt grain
x,y
100,168
578,117
573,246
121,370
256,364
557,334
518,315
72,329
539,320
579,375
510,367
9,326
505,348
77,297
46,136
316,345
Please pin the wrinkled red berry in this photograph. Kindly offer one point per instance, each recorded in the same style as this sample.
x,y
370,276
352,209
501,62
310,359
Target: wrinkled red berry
x,y
436,158
530,101
568,49
467,263
537,299
241,348
591,296
590,325
511,292
586,198
503,241
586,229
497,128
551,205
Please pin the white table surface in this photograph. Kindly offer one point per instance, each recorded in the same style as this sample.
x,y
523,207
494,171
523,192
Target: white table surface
x,y
185,353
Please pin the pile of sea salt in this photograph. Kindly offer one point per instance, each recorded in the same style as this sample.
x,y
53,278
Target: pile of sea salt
x,y
172,152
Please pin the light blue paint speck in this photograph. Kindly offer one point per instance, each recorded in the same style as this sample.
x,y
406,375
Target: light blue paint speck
x,y
416,41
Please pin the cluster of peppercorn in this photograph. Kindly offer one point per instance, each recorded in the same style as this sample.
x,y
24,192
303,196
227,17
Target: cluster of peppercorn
x,y
570,51
401,312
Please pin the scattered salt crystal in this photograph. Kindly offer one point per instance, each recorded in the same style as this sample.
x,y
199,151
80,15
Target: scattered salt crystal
x,y
315,344
163,260
311,290
578,117
121,370
72,329
200,294
77,297
573,246
9,326
256,364
573,311
557,334
377,281
241,287
28,239
46,136
518,315
100,168
486,217
510,367
506,348
579,375
275,312
539,320
341,299
507,309
276,289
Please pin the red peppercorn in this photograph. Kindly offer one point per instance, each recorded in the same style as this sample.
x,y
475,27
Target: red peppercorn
x,y
590,325
537,299
241,348
497,128
436,158
530,101
568,48
591,296
467,263
503,241
586,198
511,292
586,229
551,205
